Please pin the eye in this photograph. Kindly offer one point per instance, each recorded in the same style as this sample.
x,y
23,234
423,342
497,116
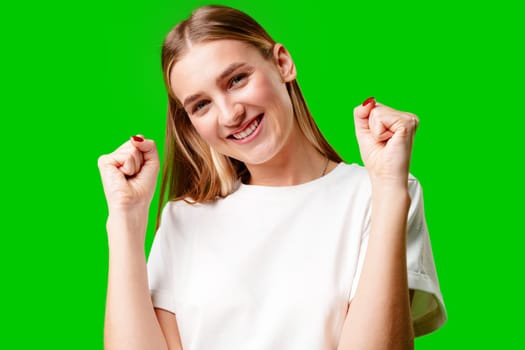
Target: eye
x,y
237,79
199,106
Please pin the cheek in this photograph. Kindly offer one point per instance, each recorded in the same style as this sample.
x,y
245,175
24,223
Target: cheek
x,y
205,129
264,91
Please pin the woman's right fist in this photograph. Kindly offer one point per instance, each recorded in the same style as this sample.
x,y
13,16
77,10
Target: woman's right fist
x,y
129,174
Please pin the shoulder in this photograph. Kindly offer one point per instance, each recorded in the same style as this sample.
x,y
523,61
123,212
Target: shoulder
x,y
350,172
359,173
353,169
184,207
351,177
355,177
181,214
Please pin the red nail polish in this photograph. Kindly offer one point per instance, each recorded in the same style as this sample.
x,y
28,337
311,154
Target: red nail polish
x,y
367,101
137,138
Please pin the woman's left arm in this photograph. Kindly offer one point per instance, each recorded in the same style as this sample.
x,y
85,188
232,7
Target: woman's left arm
x,y
379,315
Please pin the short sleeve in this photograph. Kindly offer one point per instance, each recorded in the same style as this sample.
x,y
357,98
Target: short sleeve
x,y
427,307
166,262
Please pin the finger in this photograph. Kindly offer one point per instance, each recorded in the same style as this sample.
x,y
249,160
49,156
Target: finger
x,y
385,122
125,159
140,156
132,163
362,113
147,147
379,130
150,155
126,146
109,172
415,120
139,159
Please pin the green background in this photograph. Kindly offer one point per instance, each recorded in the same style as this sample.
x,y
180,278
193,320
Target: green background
x,y
78,78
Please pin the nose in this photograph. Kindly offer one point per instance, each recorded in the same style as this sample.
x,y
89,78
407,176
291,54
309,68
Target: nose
x,y
231,115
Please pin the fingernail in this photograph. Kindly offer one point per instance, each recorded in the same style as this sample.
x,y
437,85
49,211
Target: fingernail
x,y
137,138
367,101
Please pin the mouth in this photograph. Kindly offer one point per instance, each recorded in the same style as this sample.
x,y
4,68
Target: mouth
x,y
248,130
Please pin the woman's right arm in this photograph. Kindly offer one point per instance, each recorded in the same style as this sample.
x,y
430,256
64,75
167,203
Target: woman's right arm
x,y
129,177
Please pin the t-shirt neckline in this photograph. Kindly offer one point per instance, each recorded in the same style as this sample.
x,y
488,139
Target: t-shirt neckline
x,y
313,182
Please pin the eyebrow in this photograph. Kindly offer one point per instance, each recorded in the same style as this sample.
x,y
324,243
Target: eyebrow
x,y
229,70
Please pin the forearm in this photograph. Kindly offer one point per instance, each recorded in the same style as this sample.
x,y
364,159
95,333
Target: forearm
x,y
130,318
379,315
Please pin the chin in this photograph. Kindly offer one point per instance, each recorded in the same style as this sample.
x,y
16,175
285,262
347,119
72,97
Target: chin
x,y
259,154
259,159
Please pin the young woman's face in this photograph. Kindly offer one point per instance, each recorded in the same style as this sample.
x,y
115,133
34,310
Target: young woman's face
x,y
237,100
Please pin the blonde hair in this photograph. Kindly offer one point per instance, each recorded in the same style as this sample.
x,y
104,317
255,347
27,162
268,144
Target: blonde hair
x,y
192,170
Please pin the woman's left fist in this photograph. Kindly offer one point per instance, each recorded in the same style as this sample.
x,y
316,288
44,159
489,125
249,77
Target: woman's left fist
x,y
385,137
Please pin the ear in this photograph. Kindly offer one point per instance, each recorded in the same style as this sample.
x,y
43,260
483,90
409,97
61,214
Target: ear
x,y
284,63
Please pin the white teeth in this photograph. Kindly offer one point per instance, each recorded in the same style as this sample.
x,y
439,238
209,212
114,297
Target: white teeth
x,y
248,131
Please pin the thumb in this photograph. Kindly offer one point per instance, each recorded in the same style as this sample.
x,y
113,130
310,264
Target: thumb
x,y
147,147
149,154
362,113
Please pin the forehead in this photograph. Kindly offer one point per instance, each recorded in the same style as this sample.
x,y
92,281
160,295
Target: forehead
x,y
204,62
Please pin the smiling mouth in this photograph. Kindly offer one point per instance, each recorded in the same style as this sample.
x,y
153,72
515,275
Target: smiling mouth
x,y
248,130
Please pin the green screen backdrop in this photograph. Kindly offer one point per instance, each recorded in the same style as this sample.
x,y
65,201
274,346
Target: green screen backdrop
x,y
79,78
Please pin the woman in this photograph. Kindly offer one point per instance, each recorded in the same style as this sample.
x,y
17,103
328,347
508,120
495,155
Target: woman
x,y
268,240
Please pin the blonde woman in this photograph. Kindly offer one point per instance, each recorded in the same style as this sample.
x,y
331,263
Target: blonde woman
x,y
268,239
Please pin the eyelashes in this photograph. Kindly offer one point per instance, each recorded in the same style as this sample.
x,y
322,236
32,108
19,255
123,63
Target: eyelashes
x,y
199,105
238,80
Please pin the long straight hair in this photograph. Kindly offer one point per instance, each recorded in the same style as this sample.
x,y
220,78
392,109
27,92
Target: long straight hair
x,y
192,170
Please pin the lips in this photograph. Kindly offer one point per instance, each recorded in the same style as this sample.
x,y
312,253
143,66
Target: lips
x,y
248,129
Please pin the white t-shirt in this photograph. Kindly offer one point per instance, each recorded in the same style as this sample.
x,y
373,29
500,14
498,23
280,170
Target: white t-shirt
x,y
274,267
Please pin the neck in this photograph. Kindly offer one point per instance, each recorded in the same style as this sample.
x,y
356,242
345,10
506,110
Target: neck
x,y
298,162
